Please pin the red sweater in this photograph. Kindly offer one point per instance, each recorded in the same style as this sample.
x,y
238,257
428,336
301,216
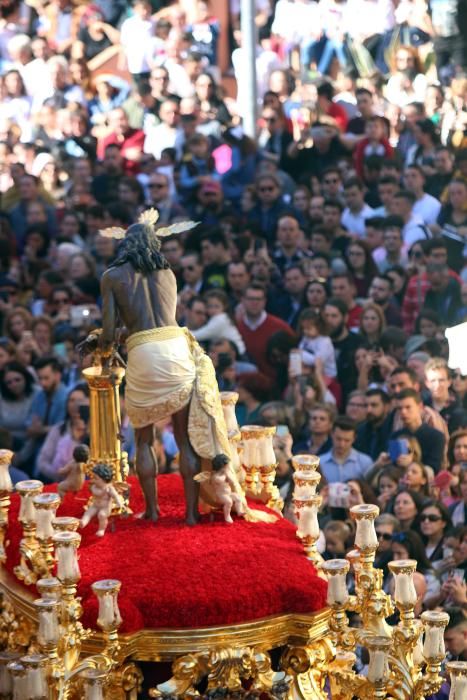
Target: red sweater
x,y
133,139
256,341
365,149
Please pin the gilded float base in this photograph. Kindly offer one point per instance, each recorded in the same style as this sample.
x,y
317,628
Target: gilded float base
x,y
228,659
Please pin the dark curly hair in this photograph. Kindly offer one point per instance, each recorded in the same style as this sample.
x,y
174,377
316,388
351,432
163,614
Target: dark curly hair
x,y
104,472
141,247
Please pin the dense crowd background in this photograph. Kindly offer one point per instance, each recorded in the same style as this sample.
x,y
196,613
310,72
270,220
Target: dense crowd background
x,y
331,252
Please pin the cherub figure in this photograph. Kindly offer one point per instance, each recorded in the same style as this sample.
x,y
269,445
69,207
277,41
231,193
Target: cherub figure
x,y
73,471
224,487
103,494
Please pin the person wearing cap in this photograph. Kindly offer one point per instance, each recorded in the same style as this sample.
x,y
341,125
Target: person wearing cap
x,y
210,206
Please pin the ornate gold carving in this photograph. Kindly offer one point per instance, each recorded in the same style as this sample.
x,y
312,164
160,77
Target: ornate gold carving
x,y
226,670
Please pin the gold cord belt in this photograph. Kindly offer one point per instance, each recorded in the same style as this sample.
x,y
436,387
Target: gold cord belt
x,y
154,334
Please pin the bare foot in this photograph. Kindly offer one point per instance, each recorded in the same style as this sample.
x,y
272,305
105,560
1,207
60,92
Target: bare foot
x,y
192,519
228,519
100,533
149,515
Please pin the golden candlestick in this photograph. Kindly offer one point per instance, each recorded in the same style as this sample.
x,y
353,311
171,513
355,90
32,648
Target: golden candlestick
x,y
49,588
250,458
6,488
68,573
29,545
6,680
109,618
94,682
458,673
65,523
105,426
305,463
45,505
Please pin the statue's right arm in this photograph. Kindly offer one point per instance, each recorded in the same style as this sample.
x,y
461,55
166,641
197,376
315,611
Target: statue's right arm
x,y
108,312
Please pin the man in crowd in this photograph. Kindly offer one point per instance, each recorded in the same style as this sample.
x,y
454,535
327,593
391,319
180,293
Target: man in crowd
x,y
343,462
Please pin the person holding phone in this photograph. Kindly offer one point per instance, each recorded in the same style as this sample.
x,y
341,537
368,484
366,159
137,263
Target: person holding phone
x,y
62,438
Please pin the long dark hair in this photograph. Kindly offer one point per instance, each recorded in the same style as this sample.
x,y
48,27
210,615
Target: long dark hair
x,y
142,249
17,367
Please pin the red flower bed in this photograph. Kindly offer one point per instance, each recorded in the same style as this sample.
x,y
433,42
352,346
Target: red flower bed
x,y
174,576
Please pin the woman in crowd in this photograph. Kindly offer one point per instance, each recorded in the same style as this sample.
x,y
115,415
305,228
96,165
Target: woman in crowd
x,y
407,82
207,93
316,294
17,322
434,523
62,439
459,510
407,508
372,324
457,451
362,266
387,487
17,391
7,352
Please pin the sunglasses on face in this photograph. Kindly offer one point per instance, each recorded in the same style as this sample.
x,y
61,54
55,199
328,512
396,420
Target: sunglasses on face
x,y
156,185
190,268
384,536
431,518
331,181
266,189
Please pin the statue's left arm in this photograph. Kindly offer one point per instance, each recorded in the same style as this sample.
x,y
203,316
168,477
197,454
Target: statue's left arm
x,y
109,313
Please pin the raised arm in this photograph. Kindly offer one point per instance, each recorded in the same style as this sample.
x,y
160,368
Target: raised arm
x,y
109,312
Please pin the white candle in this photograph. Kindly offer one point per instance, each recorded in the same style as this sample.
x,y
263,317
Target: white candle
x,y
44,517
48,632
106,611
458,688
405,592
270,454
433,647
5,480
93,692
246,458
378,666
27,511
308,522
366,534
6,681
337,590
19,688
67,563
36,686
418,653
229,412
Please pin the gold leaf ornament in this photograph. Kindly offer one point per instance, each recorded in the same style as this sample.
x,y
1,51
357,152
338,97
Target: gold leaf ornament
x,y
180,227
113,232
149,217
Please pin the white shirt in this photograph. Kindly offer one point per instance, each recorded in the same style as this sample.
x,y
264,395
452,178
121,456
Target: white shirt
x,y
427,208
220,327
355,223
135,37
163,136
414,231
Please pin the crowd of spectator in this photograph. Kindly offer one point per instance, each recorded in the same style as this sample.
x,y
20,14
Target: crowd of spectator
x,y
330,256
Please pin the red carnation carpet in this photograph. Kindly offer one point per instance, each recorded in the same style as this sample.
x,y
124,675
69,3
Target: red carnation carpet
x,y
174,576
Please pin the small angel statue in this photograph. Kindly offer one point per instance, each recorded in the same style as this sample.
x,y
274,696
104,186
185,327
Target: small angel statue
x,y
103,495
73,471
223,486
